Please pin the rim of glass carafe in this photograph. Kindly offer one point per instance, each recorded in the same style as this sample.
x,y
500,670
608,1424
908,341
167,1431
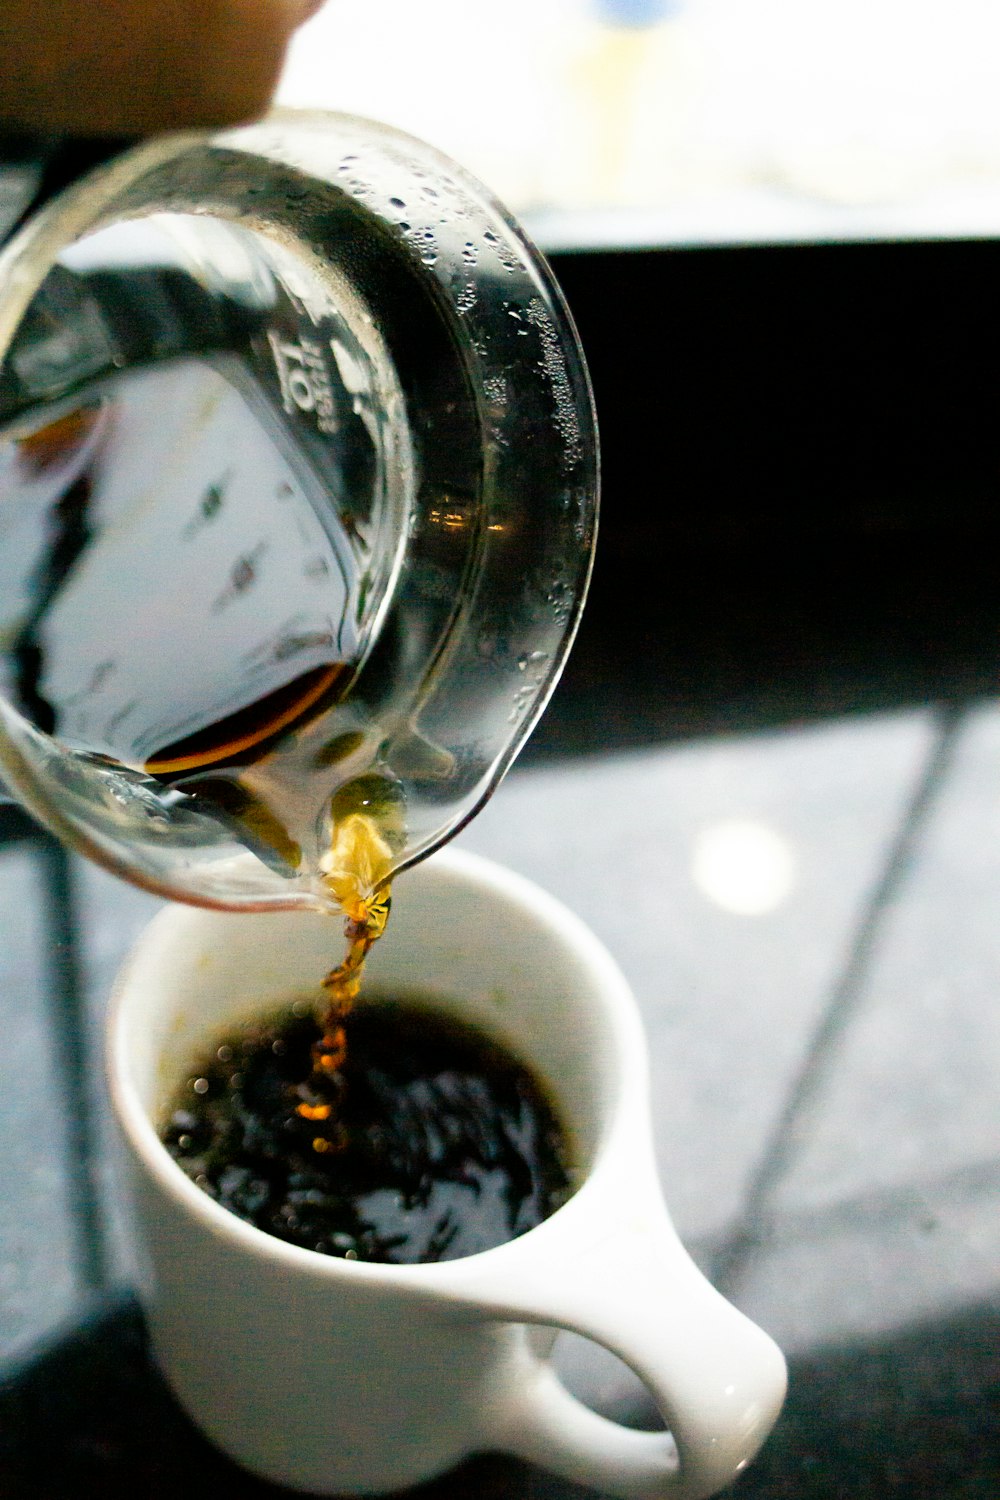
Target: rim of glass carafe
x,y
81,208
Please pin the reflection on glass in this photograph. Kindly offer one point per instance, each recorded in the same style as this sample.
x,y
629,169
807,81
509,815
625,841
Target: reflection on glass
x,y
196,522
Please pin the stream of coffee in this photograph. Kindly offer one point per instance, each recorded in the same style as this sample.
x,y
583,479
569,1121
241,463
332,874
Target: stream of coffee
x,y
360,861
398,1133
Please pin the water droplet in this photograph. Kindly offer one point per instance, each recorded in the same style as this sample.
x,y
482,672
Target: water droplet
x,y
397,203
200,1085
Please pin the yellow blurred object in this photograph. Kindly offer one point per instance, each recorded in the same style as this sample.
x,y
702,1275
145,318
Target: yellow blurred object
x,y
621,134
358,863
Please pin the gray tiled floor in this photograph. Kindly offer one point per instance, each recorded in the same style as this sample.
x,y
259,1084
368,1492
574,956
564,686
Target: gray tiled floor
x,y
878,1266
912,1095
39,1281
730,1000
112,915
825,1067
887,1210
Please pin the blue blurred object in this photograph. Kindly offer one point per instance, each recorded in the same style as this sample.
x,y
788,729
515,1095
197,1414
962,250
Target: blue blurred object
x,y
636,12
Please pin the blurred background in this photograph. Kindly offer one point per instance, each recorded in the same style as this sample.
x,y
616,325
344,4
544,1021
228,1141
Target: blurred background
x,y
773,221
672,122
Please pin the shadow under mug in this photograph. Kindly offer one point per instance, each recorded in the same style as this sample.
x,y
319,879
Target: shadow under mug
x,y
339,1377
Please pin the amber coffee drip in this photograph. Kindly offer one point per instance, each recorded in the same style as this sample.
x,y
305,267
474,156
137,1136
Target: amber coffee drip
x,y
359,862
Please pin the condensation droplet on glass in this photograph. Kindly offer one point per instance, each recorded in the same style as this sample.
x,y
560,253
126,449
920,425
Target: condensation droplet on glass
x,y
396,203
427,245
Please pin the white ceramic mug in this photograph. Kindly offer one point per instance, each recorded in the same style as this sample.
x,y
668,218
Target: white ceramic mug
x,y
343,1377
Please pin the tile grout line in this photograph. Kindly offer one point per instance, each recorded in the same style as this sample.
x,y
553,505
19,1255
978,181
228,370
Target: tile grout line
x,y
739,1247
69,1023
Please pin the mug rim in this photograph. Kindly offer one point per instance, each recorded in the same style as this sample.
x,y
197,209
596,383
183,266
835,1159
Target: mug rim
x,y
630,1058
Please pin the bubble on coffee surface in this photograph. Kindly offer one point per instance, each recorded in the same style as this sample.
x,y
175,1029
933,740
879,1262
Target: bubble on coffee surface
x,y
442,1144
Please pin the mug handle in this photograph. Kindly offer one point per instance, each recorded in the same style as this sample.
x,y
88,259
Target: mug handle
x,y
718,1380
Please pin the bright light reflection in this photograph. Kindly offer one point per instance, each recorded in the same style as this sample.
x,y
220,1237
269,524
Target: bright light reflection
x,y
743,866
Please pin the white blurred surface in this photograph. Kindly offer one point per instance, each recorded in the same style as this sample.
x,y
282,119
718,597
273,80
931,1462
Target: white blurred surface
x,y
724,120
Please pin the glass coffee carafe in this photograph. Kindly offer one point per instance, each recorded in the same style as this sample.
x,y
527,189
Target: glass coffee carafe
x,y
298,491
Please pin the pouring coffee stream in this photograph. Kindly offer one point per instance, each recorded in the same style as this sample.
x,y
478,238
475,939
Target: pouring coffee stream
x,y
358,879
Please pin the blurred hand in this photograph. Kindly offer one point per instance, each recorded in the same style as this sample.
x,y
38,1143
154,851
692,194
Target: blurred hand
x,y
134,67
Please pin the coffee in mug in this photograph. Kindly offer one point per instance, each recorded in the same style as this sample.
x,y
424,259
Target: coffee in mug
x,y
339,1376
437,1143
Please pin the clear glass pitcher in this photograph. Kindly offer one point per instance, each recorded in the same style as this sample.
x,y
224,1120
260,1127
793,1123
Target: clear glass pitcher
x,y
298,493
